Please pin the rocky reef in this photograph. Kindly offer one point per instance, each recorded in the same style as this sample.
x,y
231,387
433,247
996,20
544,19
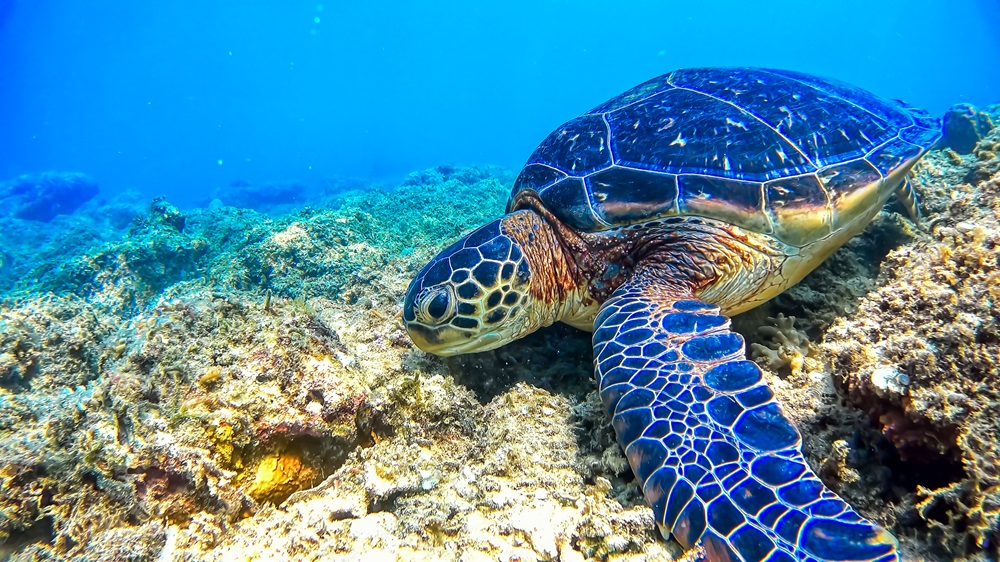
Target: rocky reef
x,y
41,197
218,383
964,126
921,355
910,345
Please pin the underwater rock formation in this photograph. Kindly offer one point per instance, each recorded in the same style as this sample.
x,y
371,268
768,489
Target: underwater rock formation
x,y
33,250
40,197
261,197
964,126
223,384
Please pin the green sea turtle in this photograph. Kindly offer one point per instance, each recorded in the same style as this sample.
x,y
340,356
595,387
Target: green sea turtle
x,y
651,219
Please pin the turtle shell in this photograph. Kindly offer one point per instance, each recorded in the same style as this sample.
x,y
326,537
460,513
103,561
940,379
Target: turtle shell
x,y
773,151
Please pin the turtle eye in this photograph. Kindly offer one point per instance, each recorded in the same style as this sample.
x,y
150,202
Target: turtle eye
x,y
435,305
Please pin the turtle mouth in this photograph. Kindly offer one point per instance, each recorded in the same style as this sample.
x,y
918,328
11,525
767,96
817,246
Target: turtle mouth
x,y
454,343
484,342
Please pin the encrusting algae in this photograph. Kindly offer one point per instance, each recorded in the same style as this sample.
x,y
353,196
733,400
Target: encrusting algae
x,y
222,384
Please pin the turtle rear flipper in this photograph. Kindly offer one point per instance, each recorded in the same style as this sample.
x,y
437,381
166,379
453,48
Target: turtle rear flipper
x,y
718,461
907,197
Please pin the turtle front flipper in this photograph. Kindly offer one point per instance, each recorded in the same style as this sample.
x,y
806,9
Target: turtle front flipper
x,y
718,461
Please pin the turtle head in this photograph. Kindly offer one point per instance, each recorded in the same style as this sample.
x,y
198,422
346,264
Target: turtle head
x,y
476,295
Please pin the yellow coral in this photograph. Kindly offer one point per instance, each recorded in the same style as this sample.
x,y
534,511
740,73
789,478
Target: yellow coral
x,y
280,474
222,436
212,374
788,347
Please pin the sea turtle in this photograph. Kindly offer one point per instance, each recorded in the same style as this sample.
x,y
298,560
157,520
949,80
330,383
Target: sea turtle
x,y
652,218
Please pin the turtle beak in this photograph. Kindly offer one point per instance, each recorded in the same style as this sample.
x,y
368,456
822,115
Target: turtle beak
x,y
428,339
455,342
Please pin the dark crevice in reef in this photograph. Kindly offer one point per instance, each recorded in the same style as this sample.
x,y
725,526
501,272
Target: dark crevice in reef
x,y
371,423
42,531
918,453
888,235
306,458
558,359
929,470
388,503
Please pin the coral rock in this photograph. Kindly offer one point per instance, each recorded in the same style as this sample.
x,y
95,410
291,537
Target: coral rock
x,y
964,127
40,197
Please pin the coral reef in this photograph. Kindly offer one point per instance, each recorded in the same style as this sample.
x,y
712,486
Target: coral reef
x,y
217,383
922,356
911,340
40,197
32,249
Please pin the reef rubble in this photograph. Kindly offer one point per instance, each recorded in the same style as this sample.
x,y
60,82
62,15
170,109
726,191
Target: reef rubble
x,y
222,384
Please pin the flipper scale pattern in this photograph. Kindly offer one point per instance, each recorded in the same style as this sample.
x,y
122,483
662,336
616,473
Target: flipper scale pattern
x,y
719,462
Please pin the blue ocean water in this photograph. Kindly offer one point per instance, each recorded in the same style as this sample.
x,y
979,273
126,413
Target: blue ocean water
x,y
177,98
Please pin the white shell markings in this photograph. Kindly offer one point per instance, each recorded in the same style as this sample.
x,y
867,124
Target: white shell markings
x,y
787,112
738,124
670,123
